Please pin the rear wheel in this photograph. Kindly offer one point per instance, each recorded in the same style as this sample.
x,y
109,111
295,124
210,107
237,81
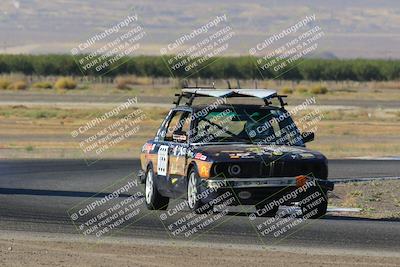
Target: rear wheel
x,y
195,203
154,200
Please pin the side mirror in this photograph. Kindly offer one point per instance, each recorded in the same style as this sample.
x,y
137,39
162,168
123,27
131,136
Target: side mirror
x,y
307,136
179,136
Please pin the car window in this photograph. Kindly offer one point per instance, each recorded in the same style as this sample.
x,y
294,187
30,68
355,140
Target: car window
x,y
162,130
180,121
254,125
186,124
210,125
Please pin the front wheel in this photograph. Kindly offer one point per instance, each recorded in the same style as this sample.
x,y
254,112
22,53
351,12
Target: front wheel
x,y
194,200
154,200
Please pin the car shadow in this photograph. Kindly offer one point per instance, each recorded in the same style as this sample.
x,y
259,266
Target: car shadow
x,y
329,217
54,193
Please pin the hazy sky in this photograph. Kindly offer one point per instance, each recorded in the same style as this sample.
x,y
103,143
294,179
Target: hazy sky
x,y
361,28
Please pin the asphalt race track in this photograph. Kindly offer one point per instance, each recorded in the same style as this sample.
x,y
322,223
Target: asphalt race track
x,y
35,195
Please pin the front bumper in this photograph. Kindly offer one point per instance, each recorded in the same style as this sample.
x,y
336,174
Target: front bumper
x,y
270,182
250,191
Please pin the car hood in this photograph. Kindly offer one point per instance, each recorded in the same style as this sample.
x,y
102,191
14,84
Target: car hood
x,y
251,152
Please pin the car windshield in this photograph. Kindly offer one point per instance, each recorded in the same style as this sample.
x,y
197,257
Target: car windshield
x,y
250,125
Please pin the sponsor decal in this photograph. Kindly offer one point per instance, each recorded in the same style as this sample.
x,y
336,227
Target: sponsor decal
x,y
179,151
241,156
255,149
200,156
190,153
148,147
277,153
307,155
162,160
287,149
260,151
179,137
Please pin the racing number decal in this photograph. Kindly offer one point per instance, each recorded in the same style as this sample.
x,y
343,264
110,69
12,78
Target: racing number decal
x,y
162,160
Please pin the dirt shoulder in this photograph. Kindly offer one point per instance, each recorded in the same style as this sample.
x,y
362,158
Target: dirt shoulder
x,y
43,132
375,199
30,249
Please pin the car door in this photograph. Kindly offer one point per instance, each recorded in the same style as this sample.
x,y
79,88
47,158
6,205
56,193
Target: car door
x,y
172,153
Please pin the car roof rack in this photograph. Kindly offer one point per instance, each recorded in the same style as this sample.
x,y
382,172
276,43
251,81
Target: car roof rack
x,y
191,93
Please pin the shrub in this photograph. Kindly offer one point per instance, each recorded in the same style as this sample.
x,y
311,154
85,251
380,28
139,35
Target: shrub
x,y
287,90
18,85
301,90
29,148
141,80
43,85
125,82
4,84
223,68
65,83
318,90
44,114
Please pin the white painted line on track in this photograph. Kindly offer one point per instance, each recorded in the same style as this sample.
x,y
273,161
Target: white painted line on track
x,y
336,209
363,179
376,158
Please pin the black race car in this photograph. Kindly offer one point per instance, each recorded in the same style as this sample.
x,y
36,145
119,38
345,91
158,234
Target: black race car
x,y
254,151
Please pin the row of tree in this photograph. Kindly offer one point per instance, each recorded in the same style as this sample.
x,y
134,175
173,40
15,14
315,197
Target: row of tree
x,y
244,67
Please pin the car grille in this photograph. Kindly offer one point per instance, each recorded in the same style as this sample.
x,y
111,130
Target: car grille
x,y
313,168
257,169
248,169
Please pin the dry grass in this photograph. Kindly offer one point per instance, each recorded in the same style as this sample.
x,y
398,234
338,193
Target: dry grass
x,y
336,89
376,199
146,86
301,89
20,111
48,132
318,90
18,85
4,83
65,83
357,136
13,82
314,90
42,85
287,90
341,133
127,82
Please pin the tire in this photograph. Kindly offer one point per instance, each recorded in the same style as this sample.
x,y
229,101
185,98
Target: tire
x,y
269,213
321,208
154,200
193,190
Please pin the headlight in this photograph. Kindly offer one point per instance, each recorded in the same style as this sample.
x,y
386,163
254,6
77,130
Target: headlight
x,y
234,170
